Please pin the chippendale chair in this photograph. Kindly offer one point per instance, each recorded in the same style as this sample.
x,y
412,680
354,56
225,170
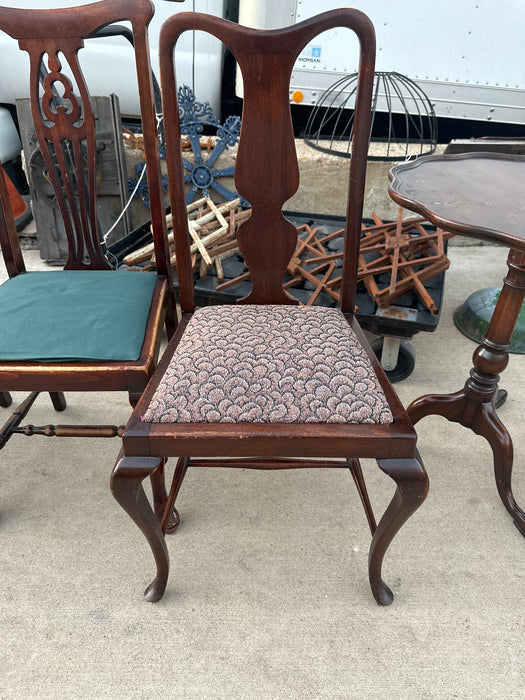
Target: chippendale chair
x,y
268,383
86,327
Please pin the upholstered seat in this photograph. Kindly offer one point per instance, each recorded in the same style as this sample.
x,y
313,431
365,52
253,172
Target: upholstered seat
x,y
96,314
269,364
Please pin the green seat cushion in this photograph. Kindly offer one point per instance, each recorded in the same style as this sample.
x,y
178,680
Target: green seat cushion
x,y
74,315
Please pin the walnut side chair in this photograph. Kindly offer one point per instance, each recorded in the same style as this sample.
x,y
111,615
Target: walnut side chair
x,y
267,383
87,327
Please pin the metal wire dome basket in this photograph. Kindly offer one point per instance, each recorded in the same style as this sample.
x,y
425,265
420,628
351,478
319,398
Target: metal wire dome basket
x,y
404,124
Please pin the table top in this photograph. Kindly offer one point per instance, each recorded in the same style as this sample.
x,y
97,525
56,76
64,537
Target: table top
x,y
481,195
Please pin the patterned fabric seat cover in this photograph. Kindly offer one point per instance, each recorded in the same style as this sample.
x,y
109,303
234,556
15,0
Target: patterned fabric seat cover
x,y
269,364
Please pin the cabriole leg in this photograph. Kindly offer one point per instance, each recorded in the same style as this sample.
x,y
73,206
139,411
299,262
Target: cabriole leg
x,y
412,488
488,424
450,406
126,486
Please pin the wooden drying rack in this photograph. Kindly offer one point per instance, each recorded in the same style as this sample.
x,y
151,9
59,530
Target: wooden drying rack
x,y
402,250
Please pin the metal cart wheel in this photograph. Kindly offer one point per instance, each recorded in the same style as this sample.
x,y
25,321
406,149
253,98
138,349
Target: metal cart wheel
x,y
398,357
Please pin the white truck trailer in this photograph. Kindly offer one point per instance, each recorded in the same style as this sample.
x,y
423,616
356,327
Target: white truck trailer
x,y
467,56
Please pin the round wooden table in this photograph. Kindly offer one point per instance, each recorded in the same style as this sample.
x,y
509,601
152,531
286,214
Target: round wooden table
x,y
481,195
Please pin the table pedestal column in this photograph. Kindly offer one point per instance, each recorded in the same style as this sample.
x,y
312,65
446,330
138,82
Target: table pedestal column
x,y
475,405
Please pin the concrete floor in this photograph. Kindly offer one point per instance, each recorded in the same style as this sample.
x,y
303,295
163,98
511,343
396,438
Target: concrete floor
x,y
268,595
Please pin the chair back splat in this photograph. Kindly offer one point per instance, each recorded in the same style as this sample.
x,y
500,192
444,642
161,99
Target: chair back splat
x,y
65,129
266,171
268,383
63,116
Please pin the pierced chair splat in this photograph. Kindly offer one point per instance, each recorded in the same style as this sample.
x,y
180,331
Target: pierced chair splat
x,y
86,327
267,383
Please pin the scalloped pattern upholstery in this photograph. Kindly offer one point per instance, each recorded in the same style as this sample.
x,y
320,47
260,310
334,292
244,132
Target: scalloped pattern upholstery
x,y
269,364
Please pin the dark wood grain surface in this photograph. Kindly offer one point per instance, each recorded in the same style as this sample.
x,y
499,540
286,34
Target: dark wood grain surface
x,y
480,195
